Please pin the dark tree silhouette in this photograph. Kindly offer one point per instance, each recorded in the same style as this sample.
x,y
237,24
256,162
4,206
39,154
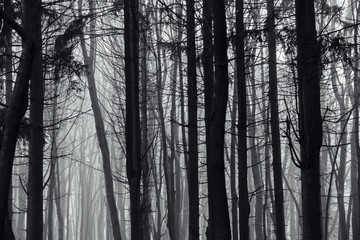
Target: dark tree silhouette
x,y
244,208
219,222
132,127
192,113
274,121
308,53
32,24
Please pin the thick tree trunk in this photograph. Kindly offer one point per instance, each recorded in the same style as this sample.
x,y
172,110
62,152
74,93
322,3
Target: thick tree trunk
x,y
6,34
274,120
193,181
244,208
310,117
32,24
132,126
219,222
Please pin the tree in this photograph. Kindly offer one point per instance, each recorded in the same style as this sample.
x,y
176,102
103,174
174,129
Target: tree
x,y
192,116
14,113
132,125
32,24
274,121
215,106
308,53
99,124
244,208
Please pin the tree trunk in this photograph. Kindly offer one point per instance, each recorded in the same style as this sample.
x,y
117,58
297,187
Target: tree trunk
x,y
219,222
132,126
356,232
146,202
193,181
6,33
343,229
256,165
100,129
274,121
234,198
32,24
310,117
244,208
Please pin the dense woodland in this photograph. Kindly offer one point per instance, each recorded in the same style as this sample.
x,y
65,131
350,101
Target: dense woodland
x,y
193,119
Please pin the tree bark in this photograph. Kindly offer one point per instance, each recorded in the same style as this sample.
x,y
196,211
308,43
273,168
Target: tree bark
x,y
132,126
193,181
310,117
244,208
356,230
219,222
274,121
146,200
32,24
255,164
234,197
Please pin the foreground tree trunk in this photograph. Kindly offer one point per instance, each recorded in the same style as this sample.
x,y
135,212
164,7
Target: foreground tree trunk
x,y
310,117
193,181
274,121
244,208
100,129
35,181
14,113
132,125
219,222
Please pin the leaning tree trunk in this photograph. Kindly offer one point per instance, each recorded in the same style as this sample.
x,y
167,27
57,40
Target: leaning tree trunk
x,y
6,33
308,52
100,129
219,222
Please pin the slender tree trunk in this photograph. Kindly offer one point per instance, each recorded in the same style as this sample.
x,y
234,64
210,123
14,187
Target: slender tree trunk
x,y
353,172
256,165
193,181
244,208
146,202
343,152
168,163
35,179
174,140
310,117
274,121
356,114
100,129
234,197
219,222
